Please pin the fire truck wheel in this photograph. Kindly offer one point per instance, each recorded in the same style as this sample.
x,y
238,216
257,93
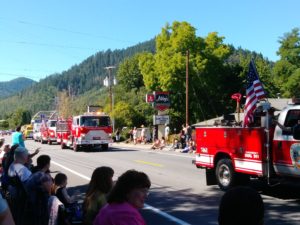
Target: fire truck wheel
x,y
49,142
63,145
104,147
225,174
76,148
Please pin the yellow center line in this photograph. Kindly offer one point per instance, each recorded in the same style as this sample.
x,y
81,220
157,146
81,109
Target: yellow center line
x,y
149,163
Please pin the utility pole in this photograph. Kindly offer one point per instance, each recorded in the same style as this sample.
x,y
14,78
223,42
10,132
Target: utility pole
x,y
109,83
187,88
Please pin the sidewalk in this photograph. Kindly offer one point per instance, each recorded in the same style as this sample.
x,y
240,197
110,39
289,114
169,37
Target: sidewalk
x,y
147,147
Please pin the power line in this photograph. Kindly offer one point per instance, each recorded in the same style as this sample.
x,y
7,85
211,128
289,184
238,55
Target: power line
x,y
19,75
69,31
48,45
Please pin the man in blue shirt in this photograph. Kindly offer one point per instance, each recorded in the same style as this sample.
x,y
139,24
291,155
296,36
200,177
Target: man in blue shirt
x,y
17,137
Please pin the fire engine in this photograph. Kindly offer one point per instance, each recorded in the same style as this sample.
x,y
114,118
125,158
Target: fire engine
x,y
39,120
48,132
63,132
231,154
88,130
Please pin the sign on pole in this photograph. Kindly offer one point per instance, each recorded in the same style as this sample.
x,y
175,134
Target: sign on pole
x,y
161,119
149,98
162,100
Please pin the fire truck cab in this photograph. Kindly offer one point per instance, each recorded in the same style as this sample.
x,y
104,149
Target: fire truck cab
x,y
90,130
232,154
48,132
63,132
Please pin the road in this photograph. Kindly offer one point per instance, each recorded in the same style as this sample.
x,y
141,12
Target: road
x,y
178,193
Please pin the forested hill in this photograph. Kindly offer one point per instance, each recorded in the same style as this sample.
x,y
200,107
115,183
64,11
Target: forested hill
x,y
91,72
14,86
79,79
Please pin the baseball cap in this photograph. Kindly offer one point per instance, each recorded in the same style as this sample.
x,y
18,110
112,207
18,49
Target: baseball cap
x,y
21,150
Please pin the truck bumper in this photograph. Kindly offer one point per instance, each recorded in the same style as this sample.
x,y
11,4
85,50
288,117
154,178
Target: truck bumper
x,y
93,142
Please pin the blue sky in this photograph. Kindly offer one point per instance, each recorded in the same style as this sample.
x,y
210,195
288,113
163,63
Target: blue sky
x,y
39,38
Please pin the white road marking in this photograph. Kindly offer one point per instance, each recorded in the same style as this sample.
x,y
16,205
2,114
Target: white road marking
x,y
72,171
148,207
157,152
166,215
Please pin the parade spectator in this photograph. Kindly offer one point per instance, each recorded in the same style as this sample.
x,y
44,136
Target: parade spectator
x,y
241,205
30,156
4,154
126,197
156,144
38,189
143,134
162,143
117,135
18,174
182,138
188,148
167,132
61,181
175,144
188,133
154,133
99,186
42,164
5,214
18,168
2,140
134,135
7,160
130,134
18,137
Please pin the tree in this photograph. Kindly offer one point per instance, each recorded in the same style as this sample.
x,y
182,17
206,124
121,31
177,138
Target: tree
x,y
165,70
129,74
19,118
64,105
122,114
4,124
286,70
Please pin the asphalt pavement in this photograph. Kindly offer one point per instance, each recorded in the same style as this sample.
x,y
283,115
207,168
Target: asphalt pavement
x,y
178,192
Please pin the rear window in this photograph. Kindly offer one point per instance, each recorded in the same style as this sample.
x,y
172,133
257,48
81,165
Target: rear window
x,y
292,118
95,121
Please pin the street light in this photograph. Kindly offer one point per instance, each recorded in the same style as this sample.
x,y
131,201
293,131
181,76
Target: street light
x,y
109,81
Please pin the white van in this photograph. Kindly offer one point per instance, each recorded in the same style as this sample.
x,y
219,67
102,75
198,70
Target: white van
x,y
36,131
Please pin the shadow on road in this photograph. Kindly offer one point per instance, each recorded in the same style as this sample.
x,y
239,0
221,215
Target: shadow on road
x,y
203,208
187,206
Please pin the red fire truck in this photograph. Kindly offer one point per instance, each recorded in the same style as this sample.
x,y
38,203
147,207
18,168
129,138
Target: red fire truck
x,y
48,132
63,132
231,155
88,130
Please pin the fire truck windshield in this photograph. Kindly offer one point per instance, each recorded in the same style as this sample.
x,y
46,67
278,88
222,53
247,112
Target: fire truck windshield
x,y
95,121
52,124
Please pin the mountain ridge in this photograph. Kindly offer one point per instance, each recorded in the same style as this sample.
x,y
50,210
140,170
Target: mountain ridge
x,y
77,80
14,86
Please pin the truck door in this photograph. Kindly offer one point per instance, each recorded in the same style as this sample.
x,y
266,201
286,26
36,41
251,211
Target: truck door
x,y
286,150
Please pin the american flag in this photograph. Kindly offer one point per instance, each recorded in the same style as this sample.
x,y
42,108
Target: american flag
x,y
254,92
